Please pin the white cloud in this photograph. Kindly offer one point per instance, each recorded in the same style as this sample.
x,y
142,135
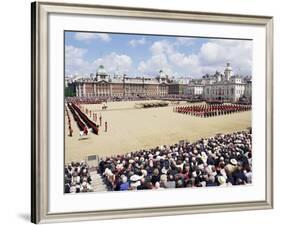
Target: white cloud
x,y
161,47
212,56
83,36
215,53
210,52
76,62
135,42
188,63
181,59
170,57
74,59
159,60
154,64
166,57
73,52
114,62
187,41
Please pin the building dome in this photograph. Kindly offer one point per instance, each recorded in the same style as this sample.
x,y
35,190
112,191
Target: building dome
x,y
101,70
101,74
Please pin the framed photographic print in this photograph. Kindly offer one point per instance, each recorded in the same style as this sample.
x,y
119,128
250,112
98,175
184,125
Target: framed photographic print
x,y
146,112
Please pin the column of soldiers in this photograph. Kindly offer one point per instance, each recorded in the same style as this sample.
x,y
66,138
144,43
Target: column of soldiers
x,y
211,110
80,109
76,117
69,123
85,118
95,118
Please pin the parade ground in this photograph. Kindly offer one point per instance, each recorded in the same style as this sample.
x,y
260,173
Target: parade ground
x,y
131,129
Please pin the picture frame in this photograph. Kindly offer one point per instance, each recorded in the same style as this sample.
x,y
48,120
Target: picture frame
x,y
40,92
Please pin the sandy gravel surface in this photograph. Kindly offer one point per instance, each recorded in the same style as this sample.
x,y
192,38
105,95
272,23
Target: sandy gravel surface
x,y
131,129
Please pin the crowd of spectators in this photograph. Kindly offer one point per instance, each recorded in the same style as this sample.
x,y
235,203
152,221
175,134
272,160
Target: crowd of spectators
x,y
77,178
222,160
101,99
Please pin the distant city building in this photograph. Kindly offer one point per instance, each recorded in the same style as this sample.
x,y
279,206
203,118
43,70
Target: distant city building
x,y
102,85
224,87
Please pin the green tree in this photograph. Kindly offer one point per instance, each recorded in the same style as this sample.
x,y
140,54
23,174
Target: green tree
x,y
69,92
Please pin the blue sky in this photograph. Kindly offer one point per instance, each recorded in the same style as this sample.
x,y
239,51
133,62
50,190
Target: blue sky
x,y
145,55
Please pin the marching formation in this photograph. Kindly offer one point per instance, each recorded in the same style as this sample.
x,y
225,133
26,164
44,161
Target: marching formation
x,y
82,120
69,123
207,110
86,119
152,104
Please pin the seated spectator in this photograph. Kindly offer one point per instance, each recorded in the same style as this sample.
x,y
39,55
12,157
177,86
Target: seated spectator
x,y
222,160
77,178
125,184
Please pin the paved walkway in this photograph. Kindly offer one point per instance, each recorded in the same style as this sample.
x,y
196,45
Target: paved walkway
x,y
97,182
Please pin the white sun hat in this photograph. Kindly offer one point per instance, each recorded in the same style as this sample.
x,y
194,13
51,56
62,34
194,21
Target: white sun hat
x,y
135,178
221,180
135,184
233,162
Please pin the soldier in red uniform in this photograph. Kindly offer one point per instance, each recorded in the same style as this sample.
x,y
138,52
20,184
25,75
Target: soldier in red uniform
x,y
70,132
100,120
85,130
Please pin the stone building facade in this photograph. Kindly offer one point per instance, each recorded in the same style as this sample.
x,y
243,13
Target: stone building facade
x,y
223,87
103,86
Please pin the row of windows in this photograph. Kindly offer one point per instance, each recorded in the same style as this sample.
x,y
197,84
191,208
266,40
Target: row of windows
x,y
222,91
